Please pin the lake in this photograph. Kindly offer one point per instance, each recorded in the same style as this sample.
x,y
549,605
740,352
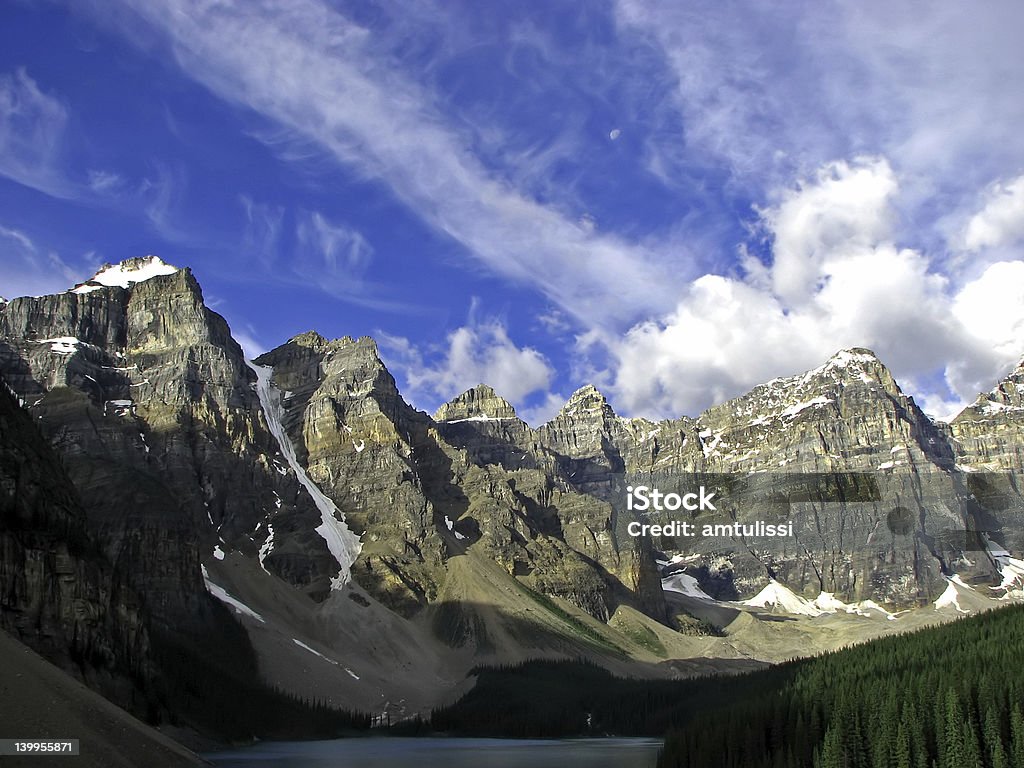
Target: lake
x,y
387,752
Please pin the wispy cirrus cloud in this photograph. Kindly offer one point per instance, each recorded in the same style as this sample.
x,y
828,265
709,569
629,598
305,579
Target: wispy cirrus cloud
x,y
312,70
261,239
105,182
773,93
32,125
308,248
31,269
343,250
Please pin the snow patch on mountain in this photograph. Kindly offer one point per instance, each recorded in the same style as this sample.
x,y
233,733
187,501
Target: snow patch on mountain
x,y
62,345
341,542
126,273
827,602
451,527
684,584
793,410
305,647
778,597
222,594
268,544
951,597
1012,571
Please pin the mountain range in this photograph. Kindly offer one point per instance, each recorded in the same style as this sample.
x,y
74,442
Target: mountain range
x,y
167,503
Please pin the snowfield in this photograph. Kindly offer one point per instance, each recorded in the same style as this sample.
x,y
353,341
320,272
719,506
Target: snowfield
x,y
341,542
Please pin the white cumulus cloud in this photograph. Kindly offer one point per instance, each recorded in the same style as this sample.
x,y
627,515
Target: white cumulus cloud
x,y
476,353
835,279
1001,221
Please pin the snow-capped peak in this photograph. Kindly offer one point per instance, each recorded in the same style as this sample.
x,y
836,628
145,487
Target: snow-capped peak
x,y
126,273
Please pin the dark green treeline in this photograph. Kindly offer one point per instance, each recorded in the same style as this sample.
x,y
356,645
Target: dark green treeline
x,y
945,697
942,697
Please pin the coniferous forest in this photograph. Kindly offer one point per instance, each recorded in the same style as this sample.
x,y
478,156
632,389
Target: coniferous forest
x,y
945,697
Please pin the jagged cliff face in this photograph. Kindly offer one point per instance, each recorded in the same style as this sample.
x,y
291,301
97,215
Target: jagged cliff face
x,y
879,505
149,402
869,521
359,441
311,467
988,438
58,593
422,491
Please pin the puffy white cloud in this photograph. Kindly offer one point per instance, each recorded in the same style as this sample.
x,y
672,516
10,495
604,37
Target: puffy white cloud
x,y
991,308
844,208
477,353
836,280
1001,220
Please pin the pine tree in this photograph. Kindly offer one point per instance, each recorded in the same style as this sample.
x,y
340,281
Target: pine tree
x,y
901,751
972,750
994,740
1017,738
953,754
832,755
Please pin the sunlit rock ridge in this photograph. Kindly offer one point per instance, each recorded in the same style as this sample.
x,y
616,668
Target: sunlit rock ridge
x,y
301,495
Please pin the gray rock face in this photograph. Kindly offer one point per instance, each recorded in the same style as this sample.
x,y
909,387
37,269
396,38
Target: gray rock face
x,y
371,453
871,454
422,490
879,508
988,438
147,399
58,593
480,403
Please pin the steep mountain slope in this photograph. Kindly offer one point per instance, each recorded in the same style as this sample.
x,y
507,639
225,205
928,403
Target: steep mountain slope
x,y
141,388
423,493
862,473
351,536
41,700
58,593
989,441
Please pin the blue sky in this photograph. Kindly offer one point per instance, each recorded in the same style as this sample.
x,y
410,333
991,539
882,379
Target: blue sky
x,y
675,201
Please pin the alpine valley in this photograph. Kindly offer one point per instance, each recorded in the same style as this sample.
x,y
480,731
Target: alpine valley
x,y
182,527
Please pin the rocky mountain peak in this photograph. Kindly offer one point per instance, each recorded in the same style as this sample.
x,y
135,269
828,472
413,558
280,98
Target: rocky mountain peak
x,y
350,354
989,431
785,397
1003,400
126,273
587,401
481,403
1007,394
310,339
